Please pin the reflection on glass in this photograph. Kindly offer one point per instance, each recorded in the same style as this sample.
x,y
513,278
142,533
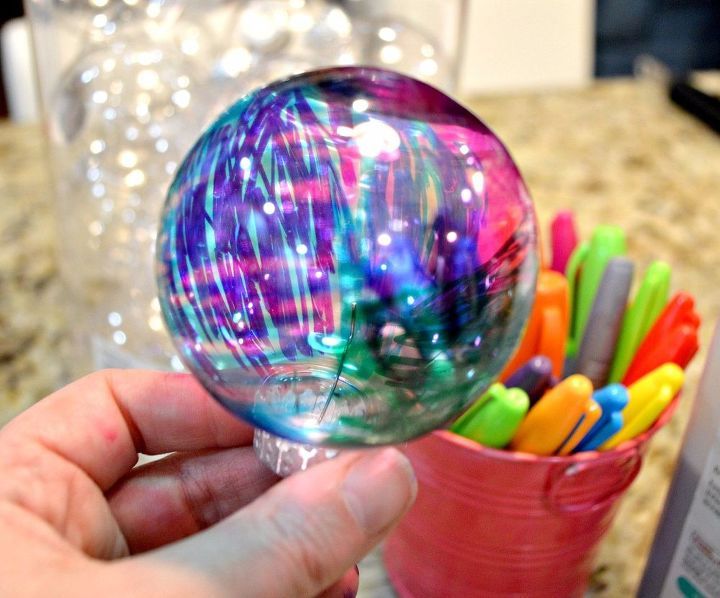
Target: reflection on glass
x,y
346,257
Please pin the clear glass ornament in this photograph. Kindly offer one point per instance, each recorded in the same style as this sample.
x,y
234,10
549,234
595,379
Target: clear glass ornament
x,y
277,38
346,257
101,19
122,117
321,29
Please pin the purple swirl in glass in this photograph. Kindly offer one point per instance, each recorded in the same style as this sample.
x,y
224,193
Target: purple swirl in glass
x,y
347,256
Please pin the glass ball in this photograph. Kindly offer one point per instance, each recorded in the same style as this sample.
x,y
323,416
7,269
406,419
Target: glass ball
x,y
262,25
122,116
347,257
278,38
396,44
119,122
319,27
293,26
102,18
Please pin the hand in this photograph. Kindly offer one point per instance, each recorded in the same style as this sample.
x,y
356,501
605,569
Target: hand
x,y
208,520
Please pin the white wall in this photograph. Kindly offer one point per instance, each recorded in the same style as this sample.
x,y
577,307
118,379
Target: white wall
x,y
527,44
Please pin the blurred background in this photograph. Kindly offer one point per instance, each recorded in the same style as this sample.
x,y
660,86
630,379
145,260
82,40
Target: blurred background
x,y
125,86
546,43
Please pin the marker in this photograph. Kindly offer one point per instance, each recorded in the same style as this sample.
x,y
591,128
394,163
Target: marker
x,y
555,319
563,239
673,338
640,316
494,422
612,400
646,388
551,422
679,310
459,424
546,330
678,347
572,274
534,377
610,428
607,242
589,418
603,328
644,419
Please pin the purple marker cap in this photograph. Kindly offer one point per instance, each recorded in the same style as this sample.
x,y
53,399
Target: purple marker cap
x,y
533,377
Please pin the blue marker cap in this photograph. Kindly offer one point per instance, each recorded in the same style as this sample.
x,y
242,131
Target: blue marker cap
x,y
612,400
613,397
595,440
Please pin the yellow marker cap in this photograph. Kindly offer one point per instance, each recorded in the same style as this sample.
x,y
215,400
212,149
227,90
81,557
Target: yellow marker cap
x,y
647,388
644,419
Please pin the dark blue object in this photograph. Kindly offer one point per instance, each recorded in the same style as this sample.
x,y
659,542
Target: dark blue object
x,y
684,34
534,377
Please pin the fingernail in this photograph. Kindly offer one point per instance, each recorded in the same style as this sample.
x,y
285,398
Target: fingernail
x,y
379,488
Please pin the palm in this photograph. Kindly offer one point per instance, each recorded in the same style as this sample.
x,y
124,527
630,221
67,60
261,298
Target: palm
x,y
72,502
69,485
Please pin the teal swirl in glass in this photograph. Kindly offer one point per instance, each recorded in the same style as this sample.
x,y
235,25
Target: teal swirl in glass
x,y
347,256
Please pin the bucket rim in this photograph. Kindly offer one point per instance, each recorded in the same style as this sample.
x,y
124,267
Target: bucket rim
x,y
634,445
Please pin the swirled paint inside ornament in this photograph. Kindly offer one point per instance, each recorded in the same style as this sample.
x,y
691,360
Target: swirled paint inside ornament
x,y
347,256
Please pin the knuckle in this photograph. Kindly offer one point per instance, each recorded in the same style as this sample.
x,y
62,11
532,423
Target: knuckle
x,y
199,496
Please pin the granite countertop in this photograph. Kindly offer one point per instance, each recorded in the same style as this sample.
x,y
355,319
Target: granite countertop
x,y
616,152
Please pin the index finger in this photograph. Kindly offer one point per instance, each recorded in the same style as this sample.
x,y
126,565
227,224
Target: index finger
x,y
102,421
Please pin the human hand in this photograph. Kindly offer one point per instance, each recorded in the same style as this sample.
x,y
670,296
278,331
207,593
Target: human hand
x,y
208,520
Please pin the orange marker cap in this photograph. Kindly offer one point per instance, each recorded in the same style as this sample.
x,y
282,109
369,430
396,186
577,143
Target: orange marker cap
x,y
592,414
546,332
551,421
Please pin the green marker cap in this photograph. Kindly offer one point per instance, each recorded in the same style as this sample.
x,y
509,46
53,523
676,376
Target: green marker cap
x,y
495,417
640,316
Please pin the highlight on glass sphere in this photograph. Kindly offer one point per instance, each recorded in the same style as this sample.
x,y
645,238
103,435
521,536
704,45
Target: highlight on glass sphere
x,y
347,257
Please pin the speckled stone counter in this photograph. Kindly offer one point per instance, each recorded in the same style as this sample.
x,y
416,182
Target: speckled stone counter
x,y
615,153
32,326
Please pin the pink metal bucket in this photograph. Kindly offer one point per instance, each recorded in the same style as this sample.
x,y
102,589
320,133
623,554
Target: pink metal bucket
x,y
498,523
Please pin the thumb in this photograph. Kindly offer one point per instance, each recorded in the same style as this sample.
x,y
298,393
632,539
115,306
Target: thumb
x,y
298,538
